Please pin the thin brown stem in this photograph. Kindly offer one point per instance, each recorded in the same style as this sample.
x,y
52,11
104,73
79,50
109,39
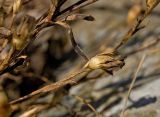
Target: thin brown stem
x,y
78,5
51,87
73,41
132,84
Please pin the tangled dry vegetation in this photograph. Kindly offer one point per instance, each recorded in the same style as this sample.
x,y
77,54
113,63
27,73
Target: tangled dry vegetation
x,y
39,65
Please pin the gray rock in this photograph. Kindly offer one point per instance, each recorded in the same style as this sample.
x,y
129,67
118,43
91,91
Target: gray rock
x,y
152,110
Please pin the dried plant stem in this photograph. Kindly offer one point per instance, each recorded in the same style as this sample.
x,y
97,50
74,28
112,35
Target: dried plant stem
x,y
132,84
133,30
87,104
69,8
52,87
60,4
74,7
130,33
73,41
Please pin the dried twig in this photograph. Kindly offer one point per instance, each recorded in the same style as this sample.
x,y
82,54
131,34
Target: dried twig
x,y
133,30
87,103
52,87
74,7
73,41
28,30
132,84
109,62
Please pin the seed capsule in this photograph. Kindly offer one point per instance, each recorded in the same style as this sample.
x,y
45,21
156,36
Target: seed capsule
x,y
109,62
23,33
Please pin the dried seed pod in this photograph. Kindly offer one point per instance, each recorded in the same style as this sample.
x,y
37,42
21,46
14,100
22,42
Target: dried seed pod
x,y
151,4
133,13
109,62
23,32
16,6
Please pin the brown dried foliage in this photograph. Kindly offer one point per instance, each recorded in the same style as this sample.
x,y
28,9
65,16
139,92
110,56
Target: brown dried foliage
x,y
20,37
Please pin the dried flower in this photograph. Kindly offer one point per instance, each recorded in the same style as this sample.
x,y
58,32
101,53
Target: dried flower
x,y
109,62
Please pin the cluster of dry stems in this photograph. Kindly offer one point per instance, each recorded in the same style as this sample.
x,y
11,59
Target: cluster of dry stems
x,y
17,38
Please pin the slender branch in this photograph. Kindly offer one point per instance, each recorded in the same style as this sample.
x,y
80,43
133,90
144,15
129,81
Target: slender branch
x,y
71,80
133,30
74,7
69,8
132,84
73,41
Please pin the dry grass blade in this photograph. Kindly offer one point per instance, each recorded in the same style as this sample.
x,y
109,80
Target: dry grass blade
x,y
132,84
